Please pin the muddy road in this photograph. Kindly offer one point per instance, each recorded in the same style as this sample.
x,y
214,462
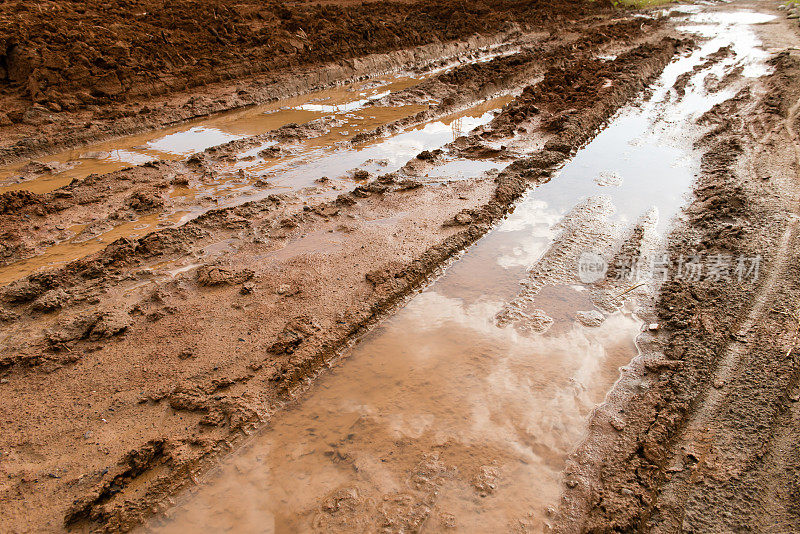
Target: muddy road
x,y
520,273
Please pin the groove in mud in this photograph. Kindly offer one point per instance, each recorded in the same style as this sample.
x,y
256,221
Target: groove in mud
x,y
213,329
703,407
341,480
302,349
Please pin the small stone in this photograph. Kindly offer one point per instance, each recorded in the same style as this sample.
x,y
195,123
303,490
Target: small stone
x,y
247,288
87,435
283,289
652,327
485,482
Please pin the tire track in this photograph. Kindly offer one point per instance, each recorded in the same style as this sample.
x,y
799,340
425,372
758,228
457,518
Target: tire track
x,y
702,425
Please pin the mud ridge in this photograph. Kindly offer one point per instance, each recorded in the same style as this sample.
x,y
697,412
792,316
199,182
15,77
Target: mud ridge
x,y
139,51
178,107
463,86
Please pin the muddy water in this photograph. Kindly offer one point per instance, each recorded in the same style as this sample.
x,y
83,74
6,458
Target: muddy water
x,y
194,136
197,135
439,418
310,160
251,177
323,157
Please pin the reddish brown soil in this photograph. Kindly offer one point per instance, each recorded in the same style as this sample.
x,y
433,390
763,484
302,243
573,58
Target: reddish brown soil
x,y
69,55
76,72
182,366
553,56
108,200
122,379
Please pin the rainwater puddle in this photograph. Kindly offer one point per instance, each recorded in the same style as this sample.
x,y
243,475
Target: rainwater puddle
x,y
441,419
75,247
197,135
314,159
381,155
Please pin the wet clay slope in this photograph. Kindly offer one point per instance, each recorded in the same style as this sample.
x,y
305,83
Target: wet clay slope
x,y
705,422
73,65
159,353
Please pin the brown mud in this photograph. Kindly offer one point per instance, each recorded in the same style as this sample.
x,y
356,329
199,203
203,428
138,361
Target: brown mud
x,y
696,435
131,371
161,352
77,72
105,205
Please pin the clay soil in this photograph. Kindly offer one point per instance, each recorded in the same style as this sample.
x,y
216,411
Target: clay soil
x,y
72,72
124,377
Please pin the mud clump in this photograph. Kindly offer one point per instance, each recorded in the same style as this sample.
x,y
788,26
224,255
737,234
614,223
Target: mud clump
x,y
216,275
569,90
13,201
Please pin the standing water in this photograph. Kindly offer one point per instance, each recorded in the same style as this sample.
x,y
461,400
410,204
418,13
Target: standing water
x,y
459,411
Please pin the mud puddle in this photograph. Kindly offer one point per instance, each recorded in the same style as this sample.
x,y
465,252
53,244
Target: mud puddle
x,y
317,168
442,419
178,142
181,141
323,159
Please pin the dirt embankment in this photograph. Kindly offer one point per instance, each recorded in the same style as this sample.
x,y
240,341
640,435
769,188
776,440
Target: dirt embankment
x,y
699,433
86,65
160,353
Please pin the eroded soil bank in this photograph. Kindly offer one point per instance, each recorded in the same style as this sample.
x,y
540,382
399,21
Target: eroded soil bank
x,y
130,370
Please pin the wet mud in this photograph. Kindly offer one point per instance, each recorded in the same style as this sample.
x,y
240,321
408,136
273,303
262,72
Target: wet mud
x,y
143,63
232,335
708,407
